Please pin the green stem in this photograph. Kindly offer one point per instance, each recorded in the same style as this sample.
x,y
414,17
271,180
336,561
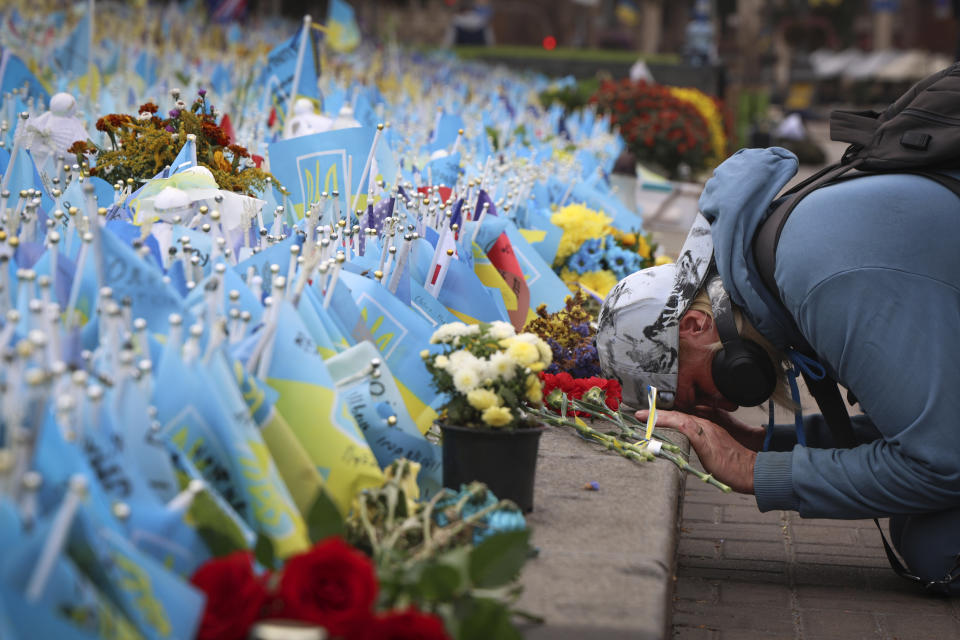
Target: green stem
x,y
706,477
428,514
368,526
632,451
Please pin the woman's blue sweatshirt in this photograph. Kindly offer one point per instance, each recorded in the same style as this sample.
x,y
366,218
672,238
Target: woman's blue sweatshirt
x,y
869,271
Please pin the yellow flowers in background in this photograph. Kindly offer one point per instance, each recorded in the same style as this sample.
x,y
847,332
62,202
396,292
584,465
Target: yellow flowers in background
x,y
707,107
579,224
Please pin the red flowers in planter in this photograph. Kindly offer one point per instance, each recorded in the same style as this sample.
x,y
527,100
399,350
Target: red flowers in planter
x,y
332,585
660,128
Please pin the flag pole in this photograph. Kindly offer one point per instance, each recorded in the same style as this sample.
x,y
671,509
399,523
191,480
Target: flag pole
x,y
90,8
296,72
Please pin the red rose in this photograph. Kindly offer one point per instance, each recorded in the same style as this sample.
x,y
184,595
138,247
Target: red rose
x,y
332,585
404,625
235,596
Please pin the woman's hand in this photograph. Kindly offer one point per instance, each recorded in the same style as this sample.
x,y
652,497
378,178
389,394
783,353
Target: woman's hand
x,y
720,454
750,436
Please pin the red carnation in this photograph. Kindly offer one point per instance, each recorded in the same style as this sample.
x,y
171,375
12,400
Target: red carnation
x,y
332,585
404,625
235,596
574,388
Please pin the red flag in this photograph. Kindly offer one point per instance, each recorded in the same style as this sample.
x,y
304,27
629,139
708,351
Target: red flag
x,y
227,127
502,257
444,192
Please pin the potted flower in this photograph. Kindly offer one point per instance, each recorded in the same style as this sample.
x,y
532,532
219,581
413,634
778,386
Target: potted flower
x,y
489,373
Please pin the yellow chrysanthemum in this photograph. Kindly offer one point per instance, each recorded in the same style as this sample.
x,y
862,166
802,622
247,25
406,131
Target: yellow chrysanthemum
x,y
579,224
534,390
643,247
569,277
600,282
662,260
714,119
524,353
496,416
483,399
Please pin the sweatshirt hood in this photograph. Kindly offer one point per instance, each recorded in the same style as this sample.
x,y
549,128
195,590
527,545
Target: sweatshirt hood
x,y
735,201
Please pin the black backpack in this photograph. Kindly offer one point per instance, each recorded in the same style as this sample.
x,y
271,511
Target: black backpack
x,y
917,134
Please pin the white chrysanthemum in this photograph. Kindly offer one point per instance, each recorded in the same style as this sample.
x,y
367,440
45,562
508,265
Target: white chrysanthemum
x,y
441,361
499,330
463,358
502,366
465,379
446,333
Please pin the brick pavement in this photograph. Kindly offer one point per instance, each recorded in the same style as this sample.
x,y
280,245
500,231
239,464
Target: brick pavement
x,y
742,574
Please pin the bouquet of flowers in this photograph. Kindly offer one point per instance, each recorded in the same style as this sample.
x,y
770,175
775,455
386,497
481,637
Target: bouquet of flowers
x,y
594,255
666,127
489,373
394,569
569,334
141,146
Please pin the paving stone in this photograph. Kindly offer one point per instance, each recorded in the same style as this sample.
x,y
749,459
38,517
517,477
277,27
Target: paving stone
x,y
749,513
820,536
871,601
742,593
721,570
851,577
731,531
701,512
692,547
754,550
837,556
693,633
933,626
697,590
742,634
763,620
839,624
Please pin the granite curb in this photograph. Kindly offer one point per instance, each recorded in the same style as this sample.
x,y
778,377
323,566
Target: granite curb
x,y
607,557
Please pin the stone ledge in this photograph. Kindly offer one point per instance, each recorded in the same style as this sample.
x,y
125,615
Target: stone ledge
x,y
607,558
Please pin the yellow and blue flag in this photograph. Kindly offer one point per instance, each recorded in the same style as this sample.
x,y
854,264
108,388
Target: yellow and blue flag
x,y
281,70
399,333
309,165
343,34
317,415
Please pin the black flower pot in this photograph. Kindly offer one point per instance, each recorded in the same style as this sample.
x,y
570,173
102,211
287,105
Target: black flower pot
x,y
504,460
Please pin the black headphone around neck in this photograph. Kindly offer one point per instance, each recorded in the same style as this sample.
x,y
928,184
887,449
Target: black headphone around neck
x,y
742,370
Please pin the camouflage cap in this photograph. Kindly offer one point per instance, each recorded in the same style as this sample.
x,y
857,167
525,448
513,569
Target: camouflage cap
x,y
638,328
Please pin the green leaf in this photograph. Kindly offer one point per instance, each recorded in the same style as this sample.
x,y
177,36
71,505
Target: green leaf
x,y
440,582
218,543
484,619
216,527
324,519
498,559
263,551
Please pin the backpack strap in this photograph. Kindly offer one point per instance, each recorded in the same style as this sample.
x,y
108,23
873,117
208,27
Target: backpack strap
x,y
824,390
768,235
